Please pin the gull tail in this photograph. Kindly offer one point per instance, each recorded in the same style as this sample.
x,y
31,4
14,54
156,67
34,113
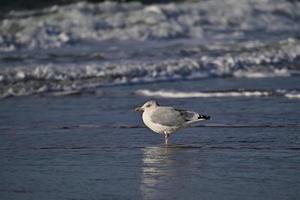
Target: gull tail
x,y
203,117
197,117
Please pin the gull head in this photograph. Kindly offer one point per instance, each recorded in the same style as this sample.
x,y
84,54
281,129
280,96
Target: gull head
x,y
149,105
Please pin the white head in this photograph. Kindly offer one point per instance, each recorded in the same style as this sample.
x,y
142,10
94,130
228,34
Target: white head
x,y
149,105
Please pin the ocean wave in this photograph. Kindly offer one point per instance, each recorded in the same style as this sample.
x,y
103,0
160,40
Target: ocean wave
x,y
294,95
216,94
281,59
207,20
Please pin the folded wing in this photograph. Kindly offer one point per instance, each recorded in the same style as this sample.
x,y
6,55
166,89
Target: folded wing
x,y
169,116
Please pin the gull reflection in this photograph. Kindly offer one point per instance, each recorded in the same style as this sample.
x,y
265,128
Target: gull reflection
x,y
158,172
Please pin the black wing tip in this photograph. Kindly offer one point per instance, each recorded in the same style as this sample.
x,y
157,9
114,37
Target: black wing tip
x,y
205,117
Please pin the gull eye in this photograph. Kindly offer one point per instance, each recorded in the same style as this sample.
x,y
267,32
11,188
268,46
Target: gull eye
x,y
148,105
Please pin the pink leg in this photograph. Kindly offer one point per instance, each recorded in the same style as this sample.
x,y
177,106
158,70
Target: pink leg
x,y
167,135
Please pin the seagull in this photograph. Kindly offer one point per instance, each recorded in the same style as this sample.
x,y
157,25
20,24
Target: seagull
x,y
167,120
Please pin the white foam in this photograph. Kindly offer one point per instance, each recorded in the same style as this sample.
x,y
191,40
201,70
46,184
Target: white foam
x,y
57,77
292,95
59,25
176,94
262,74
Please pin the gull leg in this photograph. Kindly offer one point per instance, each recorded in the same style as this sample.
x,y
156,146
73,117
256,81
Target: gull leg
x,y
167,135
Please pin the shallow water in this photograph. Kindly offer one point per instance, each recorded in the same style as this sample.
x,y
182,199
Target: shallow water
x,y
95,147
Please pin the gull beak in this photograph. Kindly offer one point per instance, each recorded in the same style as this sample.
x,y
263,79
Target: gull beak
x,y
139,109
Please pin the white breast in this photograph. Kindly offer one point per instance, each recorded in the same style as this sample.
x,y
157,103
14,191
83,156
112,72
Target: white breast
x,y
158,128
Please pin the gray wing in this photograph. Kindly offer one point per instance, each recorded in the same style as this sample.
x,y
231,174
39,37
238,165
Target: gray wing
x,y
169,116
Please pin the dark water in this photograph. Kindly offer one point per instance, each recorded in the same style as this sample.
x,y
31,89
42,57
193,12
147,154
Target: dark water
x,y
71,75
94,147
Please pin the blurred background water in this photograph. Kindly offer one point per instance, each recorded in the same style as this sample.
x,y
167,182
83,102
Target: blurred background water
x,y
71,73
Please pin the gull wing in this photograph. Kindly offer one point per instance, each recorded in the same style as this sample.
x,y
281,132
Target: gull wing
x,y
169,116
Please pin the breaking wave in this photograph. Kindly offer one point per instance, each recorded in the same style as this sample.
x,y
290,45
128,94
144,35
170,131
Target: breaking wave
x,y
208,20
293,94
72,48
281,60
